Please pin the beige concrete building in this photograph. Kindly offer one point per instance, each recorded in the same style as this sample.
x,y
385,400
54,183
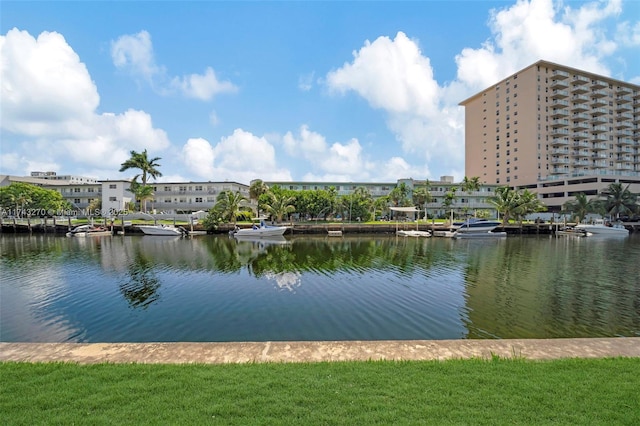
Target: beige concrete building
x,y
556,130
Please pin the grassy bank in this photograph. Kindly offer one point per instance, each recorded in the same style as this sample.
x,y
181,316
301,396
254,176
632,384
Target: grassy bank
x,y
600,391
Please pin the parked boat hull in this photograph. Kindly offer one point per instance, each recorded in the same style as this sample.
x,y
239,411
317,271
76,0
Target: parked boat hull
x,y
160,230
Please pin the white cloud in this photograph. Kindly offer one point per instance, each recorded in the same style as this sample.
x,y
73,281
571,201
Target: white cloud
x,y
45,87
203,87
240,157
393,74
308,145
135,54
213,118
199,157
49,104
305,82
532,30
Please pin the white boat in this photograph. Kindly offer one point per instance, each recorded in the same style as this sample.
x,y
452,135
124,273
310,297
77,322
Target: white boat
x,y
412,233
569,231
162,230
408,232
600,228
476,225
258,231
88,231
478,228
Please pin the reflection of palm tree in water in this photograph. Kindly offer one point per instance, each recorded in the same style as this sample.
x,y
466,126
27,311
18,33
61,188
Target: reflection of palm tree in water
x,y
141,290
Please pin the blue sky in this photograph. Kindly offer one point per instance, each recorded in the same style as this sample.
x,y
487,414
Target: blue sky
x,y
306,91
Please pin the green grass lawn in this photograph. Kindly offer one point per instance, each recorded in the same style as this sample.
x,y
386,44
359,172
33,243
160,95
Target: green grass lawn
x,y
477,392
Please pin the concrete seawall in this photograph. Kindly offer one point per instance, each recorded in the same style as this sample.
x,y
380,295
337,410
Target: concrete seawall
x,y
248,352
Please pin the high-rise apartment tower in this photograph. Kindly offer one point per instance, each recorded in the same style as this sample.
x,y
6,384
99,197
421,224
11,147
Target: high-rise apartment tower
x,y
557,129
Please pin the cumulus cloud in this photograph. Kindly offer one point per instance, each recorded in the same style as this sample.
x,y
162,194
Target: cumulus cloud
x,y
49,104
239,157
134,53
539,29
390,74
199,157
393,75
203,87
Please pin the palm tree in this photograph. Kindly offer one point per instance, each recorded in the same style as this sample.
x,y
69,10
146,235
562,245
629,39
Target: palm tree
x,y
142,193
580,207
449,199
517,204
618,200
527,202
279,204
422,196
257,188
504,201
147,166
398,195
471,184
230,204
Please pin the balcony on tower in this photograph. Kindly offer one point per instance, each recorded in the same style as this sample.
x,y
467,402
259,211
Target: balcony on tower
x,y
559,75
599,129
560,94
599,84
599,146
581,116
624,103
559,84
560,122
560,132
560,141
623,91
559,112
598,102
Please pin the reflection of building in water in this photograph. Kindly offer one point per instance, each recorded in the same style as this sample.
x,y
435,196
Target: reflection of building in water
x,y
285,280
551,292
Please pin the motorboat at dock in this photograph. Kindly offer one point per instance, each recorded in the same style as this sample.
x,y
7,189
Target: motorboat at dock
x,y
478,228
89,231
164,230
601,228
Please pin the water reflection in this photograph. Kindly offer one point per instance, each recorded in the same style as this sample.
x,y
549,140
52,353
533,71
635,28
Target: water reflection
x,y
215,288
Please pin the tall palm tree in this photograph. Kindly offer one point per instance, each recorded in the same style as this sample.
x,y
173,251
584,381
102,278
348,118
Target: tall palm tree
x,y
230,204
398,195
579,207
471,184
257,188
141,161
618,200
449,199
279,204
422,196
504,201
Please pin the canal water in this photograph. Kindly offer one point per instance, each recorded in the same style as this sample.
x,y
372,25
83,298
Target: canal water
x,y
214,288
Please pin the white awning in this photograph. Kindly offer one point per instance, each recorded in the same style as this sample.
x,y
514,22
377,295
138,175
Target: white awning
x,y
405,209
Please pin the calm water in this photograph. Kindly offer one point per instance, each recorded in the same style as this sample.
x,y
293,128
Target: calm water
x,y
212,288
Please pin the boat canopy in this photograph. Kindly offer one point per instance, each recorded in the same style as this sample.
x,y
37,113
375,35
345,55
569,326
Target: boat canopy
x,y
405,209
